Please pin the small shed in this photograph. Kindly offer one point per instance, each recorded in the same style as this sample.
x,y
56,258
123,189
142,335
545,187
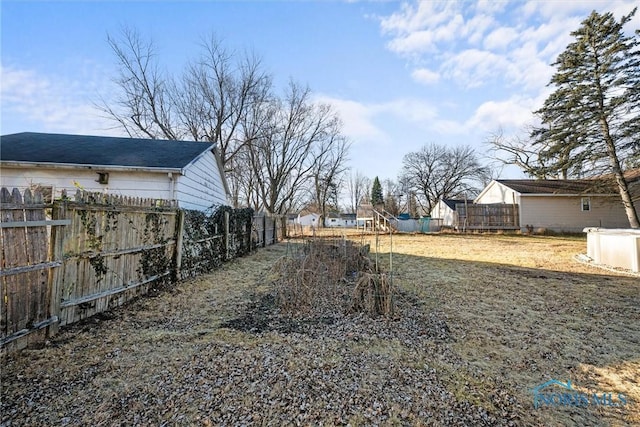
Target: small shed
x,y
187,172
445,212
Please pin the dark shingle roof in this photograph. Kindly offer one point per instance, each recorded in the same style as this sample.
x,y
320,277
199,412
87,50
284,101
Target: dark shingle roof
x,y
452,202
558,186
99,150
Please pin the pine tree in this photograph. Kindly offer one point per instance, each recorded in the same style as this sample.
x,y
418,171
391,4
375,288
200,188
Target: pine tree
x,y
376,193
592,120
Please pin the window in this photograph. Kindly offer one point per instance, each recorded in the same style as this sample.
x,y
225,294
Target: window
x,y
586,204
103,178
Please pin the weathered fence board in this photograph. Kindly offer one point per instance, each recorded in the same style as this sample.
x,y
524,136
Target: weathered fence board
x,y
24,283
489,216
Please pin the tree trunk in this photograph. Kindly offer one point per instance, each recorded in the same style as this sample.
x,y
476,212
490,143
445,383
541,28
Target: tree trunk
x,y
623,187
627,201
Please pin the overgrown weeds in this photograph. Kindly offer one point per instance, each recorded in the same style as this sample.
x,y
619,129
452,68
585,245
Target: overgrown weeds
x,y
331,275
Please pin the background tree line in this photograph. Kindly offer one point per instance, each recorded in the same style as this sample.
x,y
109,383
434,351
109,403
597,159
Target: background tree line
x,y
280,152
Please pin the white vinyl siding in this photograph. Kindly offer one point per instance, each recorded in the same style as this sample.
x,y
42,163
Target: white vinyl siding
x,y
448,216
125,183
563,213
201,187
498,193
308,220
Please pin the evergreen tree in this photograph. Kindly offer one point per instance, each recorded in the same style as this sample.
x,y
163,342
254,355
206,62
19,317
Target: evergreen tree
x,y
376,193
591,122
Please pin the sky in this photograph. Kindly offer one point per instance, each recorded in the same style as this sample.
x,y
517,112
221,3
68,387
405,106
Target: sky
x,y
400,74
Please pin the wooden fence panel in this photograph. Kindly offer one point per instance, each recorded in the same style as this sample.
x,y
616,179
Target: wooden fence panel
x,y
24,291
114,249
489,216
37,253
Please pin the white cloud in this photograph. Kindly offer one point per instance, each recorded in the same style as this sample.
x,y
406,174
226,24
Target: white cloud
x,y
411,18
512,114
418,28
413,110
500,38
368,122
476,27
37,103
531,71
473,67
357,119
414,43
491,6
425,76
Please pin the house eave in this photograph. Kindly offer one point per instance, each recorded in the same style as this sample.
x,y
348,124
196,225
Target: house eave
x,y
568,195
69,166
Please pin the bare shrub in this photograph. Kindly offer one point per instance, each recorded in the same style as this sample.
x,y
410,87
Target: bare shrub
x,y
373,294
325,275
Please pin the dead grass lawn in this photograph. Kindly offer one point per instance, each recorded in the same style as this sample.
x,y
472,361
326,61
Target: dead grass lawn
x,y
523,311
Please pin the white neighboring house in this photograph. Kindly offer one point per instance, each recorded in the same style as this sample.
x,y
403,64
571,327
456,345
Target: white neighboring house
x,y
187,172
340,220
445,211
567,205
308,220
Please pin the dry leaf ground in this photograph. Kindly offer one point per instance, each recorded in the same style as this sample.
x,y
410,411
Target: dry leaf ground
x,y
482,320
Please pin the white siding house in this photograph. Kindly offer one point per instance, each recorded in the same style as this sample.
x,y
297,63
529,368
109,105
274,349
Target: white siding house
x,y
558,205
340,220
308,220
187,172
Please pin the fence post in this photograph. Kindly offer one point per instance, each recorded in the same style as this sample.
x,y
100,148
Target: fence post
x,y
248,227
275,230
226,234
179,242
264,231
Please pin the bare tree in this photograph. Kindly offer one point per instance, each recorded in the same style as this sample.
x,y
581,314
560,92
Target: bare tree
x,y
437,172
358,187
144,106
537,159
328,167
208,102
219,92
271,147
285,153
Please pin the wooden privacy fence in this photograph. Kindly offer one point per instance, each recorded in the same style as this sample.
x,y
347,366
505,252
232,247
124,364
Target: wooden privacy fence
x,y
488,217
66,261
